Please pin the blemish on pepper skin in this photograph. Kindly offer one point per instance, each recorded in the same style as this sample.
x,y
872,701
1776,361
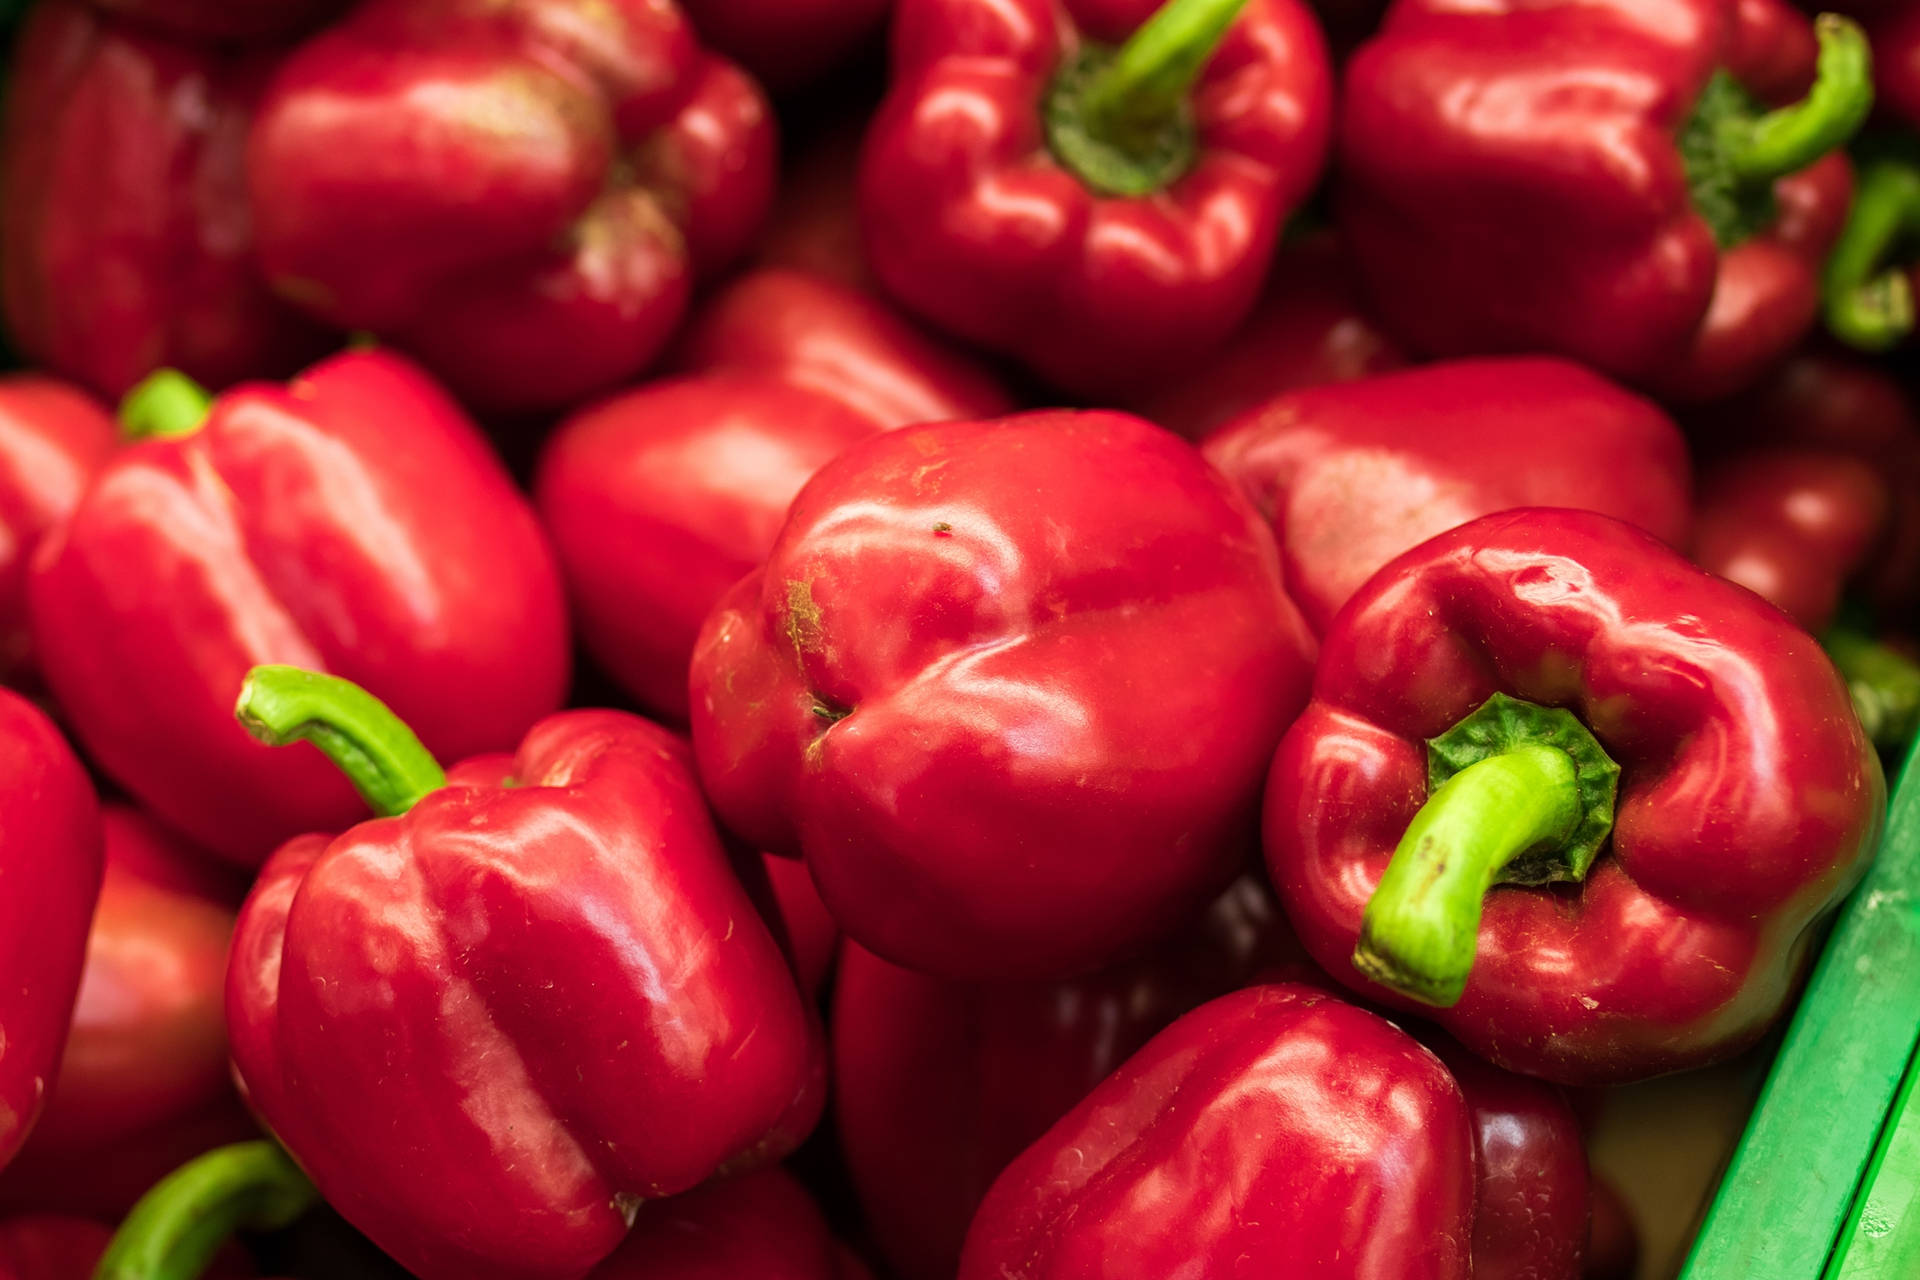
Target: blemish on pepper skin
x,y
943,529
803,618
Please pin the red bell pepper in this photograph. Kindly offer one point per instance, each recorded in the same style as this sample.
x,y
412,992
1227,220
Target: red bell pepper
x,y
489,1028
1276,1131
226,20
1092,187
938,1085
1309,329
787,43
354,520
1665,768
1352,475
143,1084
831,337
660,499
124,237
522,194
760,1227
1600,181
53,437
1009,686
50,857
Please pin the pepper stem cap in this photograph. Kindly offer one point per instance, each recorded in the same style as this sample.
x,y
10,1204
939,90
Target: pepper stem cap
x,y
164,404
1869,305
177,1227
381,756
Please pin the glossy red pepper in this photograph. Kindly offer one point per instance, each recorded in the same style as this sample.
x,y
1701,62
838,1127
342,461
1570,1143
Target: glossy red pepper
x,y
763,1226
1276,1131
1352,475
540,997
53,437
226,20
660,499
143,1084
831,337
522,194
125,242
50,856
1309,329
1008,686
938,1085
1663,767
1106,216
787,43
1598,180
354,520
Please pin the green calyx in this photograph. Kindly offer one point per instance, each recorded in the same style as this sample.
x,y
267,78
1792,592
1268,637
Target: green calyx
x,y
1517,794
176,1229
1734,149
1884,685
1868,300
164,404
1120,119
381,756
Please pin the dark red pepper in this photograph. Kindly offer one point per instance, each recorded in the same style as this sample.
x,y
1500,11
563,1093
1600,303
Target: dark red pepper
x,y
1309,329
522,194
489,1028
125,242
53,437
1276,1131
760,1227
1598,180
50,856
50,1246
143,1084
1008,686
354,520
787,43
1664,768
1352,475
1090,186
226,20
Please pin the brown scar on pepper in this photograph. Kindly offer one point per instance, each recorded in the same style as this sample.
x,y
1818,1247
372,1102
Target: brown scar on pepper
x,y
803,618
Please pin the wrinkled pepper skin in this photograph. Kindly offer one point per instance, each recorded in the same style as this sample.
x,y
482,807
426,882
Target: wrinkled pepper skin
x,y
50,853
830,337
1276,1131
1836,406
53,437
938,1085
491,1027
226,20
143,1084
972,221
1309,329
1005,685
125,238
1793,526
523,195
1513,180
1749,799
763,1226
1352,475
354,520
660,499
788,43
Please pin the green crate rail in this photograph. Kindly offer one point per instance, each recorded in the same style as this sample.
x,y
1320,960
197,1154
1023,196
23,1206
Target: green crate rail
x,y
1825,1184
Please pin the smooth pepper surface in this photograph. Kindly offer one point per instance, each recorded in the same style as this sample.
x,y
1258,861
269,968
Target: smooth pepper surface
x,y
972,218
352,520
1007,686
1748,800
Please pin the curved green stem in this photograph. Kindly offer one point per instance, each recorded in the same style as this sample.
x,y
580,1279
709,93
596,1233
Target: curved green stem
x,y
354,729
178,1227
1120,118
1870,305
1790,138
1885,686
164,404
1422,925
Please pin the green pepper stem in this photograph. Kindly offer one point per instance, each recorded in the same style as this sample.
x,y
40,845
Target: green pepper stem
x,y
164,404
1869,305
1790,138
1419,931
1885,686
1148,80
177,1228
354,729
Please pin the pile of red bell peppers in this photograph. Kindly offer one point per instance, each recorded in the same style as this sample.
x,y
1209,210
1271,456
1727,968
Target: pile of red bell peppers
x,y
927,639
